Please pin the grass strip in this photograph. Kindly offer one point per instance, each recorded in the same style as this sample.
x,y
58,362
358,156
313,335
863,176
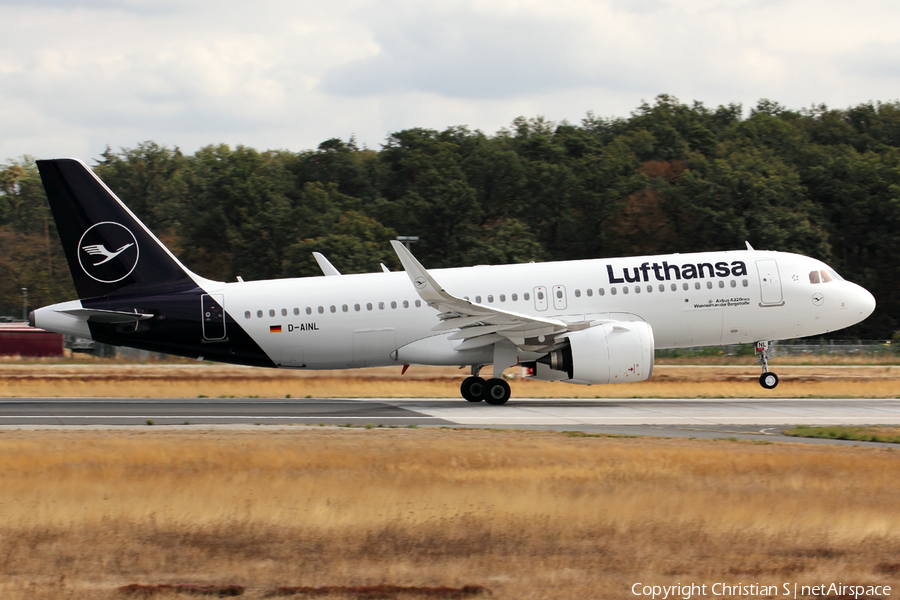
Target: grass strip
x,y
889,435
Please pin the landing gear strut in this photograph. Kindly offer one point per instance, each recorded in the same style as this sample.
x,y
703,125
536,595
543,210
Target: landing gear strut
x,y
768,379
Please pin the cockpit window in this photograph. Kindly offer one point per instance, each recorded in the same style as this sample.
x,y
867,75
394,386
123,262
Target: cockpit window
x,y
814,277
826,277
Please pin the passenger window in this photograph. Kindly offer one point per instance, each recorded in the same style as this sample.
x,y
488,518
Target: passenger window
x,y
662,287
406,304
271,312
259,314
601,292
247,314
709,285
332,308
559,294
674,287
356,307
296,311
283,312
649,288
745,283
345,308
381,306
814,277
515,297
637,289
309,310
490,298
526,296
612,291
733,283
684,286
321,310
697,285
624,289
393,304
418,303
578,293
590,292
369,306
721,284
540,295
478,299
826,277
502,297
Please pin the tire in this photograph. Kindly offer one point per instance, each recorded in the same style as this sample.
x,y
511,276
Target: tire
x,y
472,389
768,380
496,392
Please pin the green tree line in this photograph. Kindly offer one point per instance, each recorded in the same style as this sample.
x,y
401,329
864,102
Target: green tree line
x,y
671,177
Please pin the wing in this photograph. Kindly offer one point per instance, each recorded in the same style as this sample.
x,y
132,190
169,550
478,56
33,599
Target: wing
x,y
96,249
481,325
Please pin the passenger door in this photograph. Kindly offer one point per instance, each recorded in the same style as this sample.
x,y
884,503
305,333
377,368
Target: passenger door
x,y
769,283
213,314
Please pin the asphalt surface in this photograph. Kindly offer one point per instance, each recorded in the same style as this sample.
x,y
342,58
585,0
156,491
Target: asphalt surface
x,y
742,419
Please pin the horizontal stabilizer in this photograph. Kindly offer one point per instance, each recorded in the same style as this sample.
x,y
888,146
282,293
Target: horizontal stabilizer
x,y
96,315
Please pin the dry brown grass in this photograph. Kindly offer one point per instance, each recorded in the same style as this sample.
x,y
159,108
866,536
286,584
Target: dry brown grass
x,y
528,515
424,382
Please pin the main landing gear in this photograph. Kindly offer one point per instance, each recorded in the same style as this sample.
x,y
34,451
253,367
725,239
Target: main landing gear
x,y
493,391
768,379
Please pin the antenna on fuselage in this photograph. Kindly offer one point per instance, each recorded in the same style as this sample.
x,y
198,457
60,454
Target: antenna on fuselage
x,y
749,247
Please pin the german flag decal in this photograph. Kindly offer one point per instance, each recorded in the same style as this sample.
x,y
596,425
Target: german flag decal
x,y
275,329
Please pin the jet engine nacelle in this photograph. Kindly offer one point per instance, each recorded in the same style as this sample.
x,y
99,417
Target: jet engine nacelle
x,y
618,352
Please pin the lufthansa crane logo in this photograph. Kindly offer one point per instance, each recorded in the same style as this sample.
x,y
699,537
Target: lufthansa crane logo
x,y
108,252
420,282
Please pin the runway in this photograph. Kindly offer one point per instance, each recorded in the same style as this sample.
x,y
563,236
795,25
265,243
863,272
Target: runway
x,y
761,419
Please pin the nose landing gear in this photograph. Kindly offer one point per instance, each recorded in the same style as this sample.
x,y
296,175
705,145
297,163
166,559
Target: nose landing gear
x,y
768,379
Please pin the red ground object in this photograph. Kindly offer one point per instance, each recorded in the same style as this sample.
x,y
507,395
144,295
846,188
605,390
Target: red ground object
x,y
22,340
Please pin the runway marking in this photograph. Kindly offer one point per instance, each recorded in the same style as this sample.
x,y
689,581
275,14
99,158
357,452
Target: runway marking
x,y
313,417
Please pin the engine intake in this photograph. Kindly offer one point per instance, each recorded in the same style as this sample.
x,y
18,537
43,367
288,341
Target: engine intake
x,y
619,352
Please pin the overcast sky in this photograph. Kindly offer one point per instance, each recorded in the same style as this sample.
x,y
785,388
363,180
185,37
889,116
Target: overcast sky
x,y
78,75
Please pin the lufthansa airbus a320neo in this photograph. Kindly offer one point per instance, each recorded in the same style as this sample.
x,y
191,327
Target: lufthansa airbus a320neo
x,y
586,321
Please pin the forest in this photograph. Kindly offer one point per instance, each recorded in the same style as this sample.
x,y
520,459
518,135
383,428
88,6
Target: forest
x,y
671,177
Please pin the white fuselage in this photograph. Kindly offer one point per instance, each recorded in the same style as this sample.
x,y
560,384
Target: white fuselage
x,y
698,299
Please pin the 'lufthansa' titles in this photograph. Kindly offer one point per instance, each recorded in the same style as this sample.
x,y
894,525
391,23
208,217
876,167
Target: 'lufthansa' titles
x,y
667,272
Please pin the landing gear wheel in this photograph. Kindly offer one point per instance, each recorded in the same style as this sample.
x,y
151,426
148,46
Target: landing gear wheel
x,y
496,392
768,380
472,389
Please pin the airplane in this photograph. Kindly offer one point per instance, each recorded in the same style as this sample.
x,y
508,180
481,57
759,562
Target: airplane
x,y
594,321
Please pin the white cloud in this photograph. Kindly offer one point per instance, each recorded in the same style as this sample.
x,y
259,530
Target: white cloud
x,y
75,76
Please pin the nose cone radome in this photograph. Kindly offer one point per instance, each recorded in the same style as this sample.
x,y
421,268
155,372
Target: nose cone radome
x,y
866,303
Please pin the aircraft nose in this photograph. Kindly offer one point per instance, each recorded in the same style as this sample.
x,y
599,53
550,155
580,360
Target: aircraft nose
x,y
865,302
